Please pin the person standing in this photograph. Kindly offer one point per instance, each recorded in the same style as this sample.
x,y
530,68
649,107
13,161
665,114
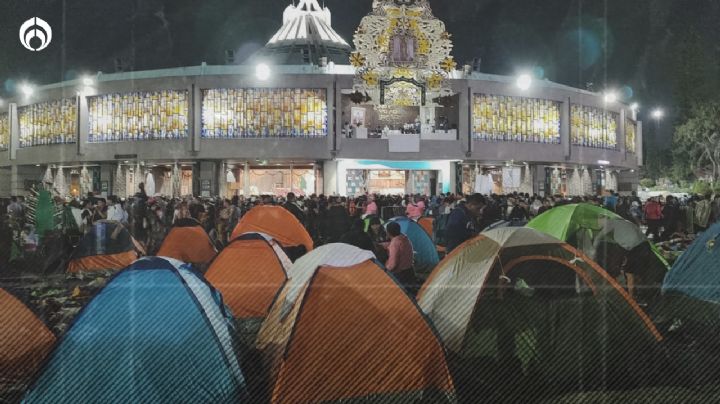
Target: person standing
x,y
291,205
371,208
461,224
400,258
653,218
415,208
140,213
671,217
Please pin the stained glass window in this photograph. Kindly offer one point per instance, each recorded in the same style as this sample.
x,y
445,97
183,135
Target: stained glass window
x,y
515,119
254,113
53,122
158,115
4,131
593,127
630,135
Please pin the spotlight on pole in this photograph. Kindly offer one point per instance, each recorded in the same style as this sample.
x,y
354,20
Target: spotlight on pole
x,y
610,97
524,81
262,72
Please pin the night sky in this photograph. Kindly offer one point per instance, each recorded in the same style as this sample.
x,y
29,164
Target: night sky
x,y
657,52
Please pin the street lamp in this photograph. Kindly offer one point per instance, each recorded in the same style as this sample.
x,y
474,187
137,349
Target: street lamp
x,y
524,81
262,72
27,90
658,114
610,97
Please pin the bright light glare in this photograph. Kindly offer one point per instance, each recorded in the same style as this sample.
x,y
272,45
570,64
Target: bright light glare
x,y
524,81
27,90
635,106
658,113
610,97
88,81
262,72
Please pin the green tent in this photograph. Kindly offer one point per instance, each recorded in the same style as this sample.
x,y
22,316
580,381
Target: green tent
x,y
605,237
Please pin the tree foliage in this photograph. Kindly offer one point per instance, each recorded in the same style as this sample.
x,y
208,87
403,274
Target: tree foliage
x,y
697,140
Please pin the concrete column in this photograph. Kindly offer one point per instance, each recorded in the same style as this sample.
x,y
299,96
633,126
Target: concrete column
x,y
246,179
639,152
465,122
335,138
565,115
222,179
14,130
195,117
83,131
16,187
622,147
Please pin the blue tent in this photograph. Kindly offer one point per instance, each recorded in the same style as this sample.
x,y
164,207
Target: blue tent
x,y
426,256
156,333
696,273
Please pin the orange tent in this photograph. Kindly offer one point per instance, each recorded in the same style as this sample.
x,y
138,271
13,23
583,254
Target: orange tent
x,y
343,329
278,223
189,244
427,224
107,246
249,272
24,341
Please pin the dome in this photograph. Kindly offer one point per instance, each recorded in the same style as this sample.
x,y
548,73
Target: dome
x,y
305,37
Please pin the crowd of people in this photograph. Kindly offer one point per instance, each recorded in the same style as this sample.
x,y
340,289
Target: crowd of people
x,y
360,221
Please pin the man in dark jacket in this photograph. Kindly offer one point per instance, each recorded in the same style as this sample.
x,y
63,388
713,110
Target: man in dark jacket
x,y
336,223
291,206
462,221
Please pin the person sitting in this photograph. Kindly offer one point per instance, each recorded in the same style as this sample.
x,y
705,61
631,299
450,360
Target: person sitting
x,y
400,257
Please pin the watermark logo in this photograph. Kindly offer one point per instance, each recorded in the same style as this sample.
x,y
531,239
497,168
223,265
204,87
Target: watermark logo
x,y
35,29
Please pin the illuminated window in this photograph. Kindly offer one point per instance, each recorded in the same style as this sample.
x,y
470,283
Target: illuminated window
x,y
46,123
515,119
4,131
593,127
156,115
630,135
257,113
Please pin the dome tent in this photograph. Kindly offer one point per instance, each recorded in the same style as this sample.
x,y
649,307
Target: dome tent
x,y
188,242
24,343
342,329
278,223
426,254
108,246
607,238
157,332
521,309
250,272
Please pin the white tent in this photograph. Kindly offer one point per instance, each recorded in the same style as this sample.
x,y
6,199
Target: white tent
x,y
150,184
60,185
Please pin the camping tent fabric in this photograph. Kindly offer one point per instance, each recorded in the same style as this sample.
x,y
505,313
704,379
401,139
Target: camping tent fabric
x,y
277,222
249,272
426,256
351,334
188,244
507,297
156,333
592,229
691,292
696,274
427,224
24,341
108,246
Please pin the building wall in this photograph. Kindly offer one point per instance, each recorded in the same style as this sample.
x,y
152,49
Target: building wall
x,y
215,151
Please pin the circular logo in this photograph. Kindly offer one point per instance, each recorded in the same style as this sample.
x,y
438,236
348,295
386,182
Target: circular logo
x,y
38,30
